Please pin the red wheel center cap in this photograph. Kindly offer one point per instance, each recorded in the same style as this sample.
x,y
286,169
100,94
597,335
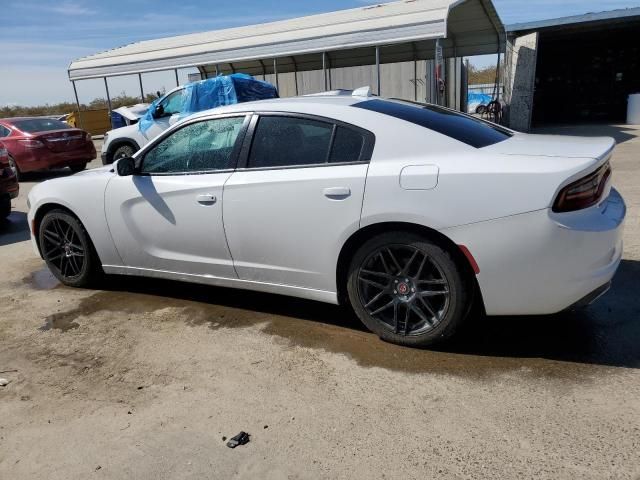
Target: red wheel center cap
x,y
403,288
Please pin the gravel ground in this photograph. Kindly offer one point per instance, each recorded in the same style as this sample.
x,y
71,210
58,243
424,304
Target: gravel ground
x,y
144,379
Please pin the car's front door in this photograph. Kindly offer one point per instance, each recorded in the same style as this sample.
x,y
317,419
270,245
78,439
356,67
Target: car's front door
x,y
296,199
168,216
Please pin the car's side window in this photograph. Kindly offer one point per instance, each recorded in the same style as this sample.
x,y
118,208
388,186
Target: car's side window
x,y
172,104
289,141
4,131
197,147
347,145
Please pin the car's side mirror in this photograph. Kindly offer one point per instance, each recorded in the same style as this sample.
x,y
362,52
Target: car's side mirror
x,y
158,112
126,167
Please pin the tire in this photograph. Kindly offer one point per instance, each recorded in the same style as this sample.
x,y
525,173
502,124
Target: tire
x,y
125,150
67,250
5,207
78,167
423,305
14,166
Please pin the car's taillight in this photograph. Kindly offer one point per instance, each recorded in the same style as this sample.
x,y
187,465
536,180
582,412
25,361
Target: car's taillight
x,y
31,143
583,193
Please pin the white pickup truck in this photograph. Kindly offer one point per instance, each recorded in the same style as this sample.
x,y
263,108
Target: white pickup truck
x,y
125,141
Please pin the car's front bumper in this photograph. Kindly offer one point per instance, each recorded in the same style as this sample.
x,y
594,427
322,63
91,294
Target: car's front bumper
x,y
543,262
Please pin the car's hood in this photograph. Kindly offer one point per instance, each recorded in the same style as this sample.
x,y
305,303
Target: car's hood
x,y
106,170
123,131
555,146
133,112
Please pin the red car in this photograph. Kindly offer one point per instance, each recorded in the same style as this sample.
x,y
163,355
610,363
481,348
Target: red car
x,y
45,143
8,183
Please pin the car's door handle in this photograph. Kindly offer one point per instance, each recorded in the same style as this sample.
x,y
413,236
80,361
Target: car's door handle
x,y
206,199
337,193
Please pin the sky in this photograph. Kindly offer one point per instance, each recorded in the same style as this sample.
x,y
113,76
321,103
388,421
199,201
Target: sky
x,y
40,38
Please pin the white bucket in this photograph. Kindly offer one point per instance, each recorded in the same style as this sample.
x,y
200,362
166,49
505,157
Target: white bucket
x,y
633,109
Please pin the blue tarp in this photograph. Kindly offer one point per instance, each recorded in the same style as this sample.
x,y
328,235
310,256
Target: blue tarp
x,y
478,98
216,92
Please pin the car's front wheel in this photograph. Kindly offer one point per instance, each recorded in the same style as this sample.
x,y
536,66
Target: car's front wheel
x,y
407,289
67,249
123,151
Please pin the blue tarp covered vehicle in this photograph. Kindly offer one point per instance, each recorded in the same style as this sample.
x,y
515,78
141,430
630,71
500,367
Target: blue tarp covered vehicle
x,y
211,93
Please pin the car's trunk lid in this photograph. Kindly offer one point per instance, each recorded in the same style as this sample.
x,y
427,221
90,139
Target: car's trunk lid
x,y
62,140
555,146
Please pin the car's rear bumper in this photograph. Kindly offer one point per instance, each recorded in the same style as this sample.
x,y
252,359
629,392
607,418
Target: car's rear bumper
x,y
543,262
44,159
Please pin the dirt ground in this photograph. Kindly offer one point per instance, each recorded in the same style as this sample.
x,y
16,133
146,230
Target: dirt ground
x,y
145,378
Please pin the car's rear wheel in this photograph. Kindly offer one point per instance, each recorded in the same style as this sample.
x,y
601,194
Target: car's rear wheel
x,y
407,289
78,167
14,167
67,249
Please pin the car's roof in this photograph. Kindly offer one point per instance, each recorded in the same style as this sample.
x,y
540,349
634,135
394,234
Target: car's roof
x,y
286,104
17,119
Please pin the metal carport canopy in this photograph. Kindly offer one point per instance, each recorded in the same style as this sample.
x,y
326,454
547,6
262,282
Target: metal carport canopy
x,y
407,29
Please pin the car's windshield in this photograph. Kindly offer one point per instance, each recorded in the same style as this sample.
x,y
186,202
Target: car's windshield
x,y
464,128
39,125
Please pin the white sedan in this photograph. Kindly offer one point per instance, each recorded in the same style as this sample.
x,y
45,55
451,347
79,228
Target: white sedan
x,y
409,212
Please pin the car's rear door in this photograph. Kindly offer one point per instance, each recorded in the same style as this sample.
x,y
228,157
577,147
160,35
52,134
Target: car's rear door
x,y
295,198
168,217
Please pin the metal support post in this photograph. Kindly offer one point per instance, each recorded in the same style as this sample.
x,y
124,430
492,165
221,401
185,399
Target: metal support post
x,y
378,70
75,92
106,86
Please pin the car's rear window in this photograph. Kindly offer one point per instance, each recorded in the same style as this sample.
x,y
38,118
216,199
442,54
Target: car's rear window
x,y
464,128
32,125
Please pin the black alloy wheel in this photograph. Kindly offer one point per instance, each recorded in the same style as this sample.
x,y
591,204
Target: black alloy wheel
x,y
66,248
408,290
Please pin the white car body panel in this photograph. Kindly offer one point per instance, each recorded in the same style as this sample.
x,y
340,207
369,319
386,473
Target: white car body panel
x,y
266,232
149,216
542,262
275,230
83,194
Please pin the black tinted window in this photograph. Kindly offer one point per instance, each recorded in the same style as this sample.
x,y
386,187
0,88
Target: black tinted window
x,y
347,146
463,128
289,141
40,125
202,146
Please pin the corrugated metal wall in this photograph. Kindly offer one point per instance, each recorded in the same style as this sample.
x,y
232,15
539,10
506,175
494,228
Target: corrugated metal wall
x,y
399,80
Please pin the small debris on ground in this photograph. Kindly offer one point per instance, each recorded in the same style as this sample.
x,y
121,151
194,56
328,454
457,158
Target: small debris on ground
x,y
266,426
4,382
240,439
